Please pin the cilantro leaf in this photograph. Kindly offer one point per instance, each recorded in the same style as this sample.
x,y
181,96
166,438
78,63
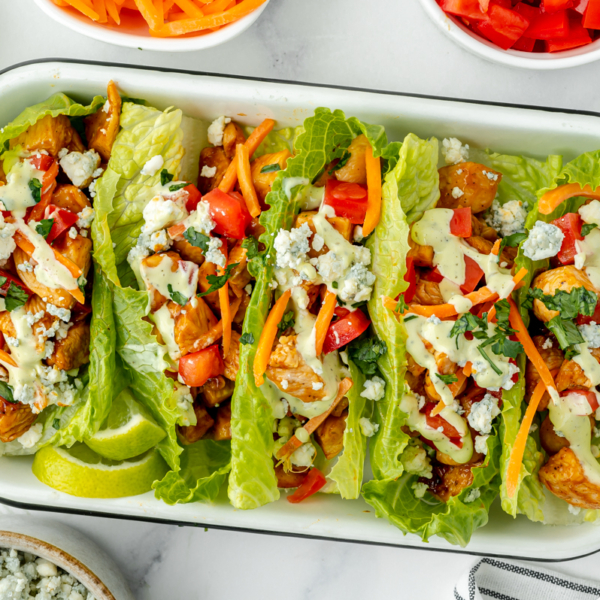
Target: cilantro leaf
x,y
568,304
506,347
251,246
195,238
271,168
3,280
247,338
512,240
218,281
15,297
447,379
178,186
44,227
6,392
401,306
287,321
81,282
365,352
587,227
488,359
177,296
56,424
165,177
566,333
35,186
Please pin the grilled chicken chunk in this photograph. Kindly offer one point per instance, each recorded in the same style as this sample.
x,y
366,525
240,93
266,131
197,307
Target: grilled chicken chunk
x,y
448,481
476,183
355,169
15,420
193,433
51,134
330,435
553,357
74,350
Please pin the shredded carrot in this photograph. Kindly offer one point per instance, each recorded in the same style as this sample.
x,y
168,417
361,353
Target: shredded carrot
x,y
373,166
491,314
189,8
468,369
496,248
114,10
100,8
245,178
82,7
516,322
150,14
216,6
518,450
520,275
552,199
176,230
323,320
225,308
252,143
267,337
7,358
310,426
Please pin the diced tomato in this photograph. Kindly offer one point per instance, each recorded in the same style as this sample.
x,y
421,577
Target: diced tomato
x,y
312,483
578,36
591,18
503,26
551,6
437,421
460,224
570,224
349,200
62,221
42,162
548,26
194,196
432,275
12,279
344,330
467,9
229,213
585,320
589,395
341,312
197,368
524,44
411,278
473,275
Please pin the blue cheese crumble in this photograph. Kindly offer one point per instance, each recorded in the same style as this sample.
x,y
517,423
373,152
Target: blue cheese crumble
x,y
374,389
483,413
507,218
591,334
454,152
544,241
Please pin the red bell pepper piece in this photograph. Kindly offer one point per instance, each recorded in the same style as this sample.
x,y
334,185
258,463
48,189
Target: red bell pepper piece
x,y
345,329
578,36
12,279
229,212
473,275
194,196
42,162
524,44
312,483
197,368
349,200
580,6
570,224
551,6
437,421
547,26
62,221
467,9
591,18
589,396
503,26
411,278
432,275
460,224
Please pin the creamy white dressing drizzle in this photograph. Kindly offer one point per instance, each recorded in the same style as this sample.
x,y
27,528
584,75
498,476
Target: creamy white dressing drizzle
x,y
290,183
588,363
16,194
183,280
166,326
417,422
590,245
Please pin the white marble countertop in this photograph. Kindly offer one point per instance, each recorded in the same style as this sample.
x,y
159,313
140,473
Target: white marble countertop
x,y
381,44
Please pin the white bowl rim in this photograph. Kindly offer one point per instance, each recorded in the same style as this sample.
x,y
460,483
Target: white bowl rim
x,y
62,559
514,58
98,32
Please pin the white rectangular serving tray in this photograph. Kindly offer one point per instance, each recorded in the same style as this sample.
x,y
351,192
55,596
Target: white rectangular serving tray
x,y
510,129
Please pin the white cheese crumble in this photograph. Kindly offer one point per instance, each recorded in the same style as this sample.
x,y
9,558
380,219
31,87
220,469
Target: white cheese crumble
x,y
72,233
472,495
547,344
291,246
591,334
161,212
284,384
507,218
357,235
457,192
415,461
374,389
153,166
481,444
483,413
317,385
25,267
574,510
7,243
434,320
208,171
318,242
32,436
544,241
357,285
63,314
420,488
491,176
367,427
454,152
200,219
304,456
85,217
216,130
79,167
214,254
12,341
590,213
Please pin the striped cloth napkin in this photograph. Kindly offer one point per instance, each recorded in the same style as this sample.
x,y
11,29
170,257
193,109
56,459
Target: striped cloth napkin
x,y
492,579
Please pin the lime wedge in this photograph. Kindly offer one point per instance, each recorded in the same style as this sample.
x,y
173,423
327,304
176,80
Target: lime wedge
x,y
79,471
128,431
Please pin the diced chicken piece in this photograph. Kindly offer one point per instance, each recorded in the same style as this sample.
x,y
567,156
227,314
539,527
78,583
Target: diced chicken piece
x,y
562,278
232,359
70,198
191,322
482,229
241,311
355,170
212,299
428,293
421,255
553,357
416,382
264,181
216,390
239,275
222,427
571,375
290,373
51,134
102,127
445,459
340,224
448,481
288,479
330,435
415,369
431,392
564,476
74,350
232,136
212,158
551,442
342,405
15,420
484,246
468,184
188,252
193,433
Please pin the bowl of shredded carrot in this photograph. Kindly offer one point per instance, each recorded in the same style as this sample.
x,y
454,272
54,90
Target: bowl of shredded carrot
x,y
164,25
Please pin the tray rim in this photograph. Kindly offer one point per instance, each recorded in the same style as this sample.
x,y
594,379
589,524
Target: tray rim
x,y
179,523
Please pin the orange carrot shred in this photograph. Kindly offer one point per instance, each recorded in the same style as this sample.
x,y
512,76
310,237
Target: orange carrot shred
x,y
373,166
7,358
554,198
468,369
496,248
244,174
82,7
225,308
323,320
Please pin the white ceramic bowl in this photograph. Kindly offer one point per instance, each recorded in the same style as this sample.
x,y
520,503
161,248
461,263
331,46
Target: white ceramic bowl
x,y
470,41
68,549
136,35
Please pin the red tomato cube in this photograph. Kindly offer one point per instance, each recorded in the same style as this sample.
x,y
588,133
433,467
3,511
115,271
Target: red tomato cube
x,y
197,368
349,200
570,224
229,212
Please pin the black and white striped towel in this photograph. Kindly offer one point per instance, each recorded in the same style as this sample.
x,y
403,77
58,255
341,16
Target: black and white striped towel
x,y
500,580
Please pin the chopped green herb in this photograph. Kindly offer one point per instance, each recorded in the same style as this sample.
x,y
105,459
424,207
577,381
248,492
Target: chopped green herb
x,y
44,227
566,333
218,281
56,424
578,301
489,360
512,240
6,392
177,296
334,285
15,297
409,318
251,246
271,168
359,304
81,282
195,238
6,145
3,280
178,186
365,352
247,338
447,379
587,227
286,321
35,186
165,177
401,306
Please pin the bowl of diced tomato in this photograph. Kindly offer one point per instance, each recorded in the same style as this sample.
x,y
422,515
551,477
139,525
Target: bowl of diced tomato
x,y
534,34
